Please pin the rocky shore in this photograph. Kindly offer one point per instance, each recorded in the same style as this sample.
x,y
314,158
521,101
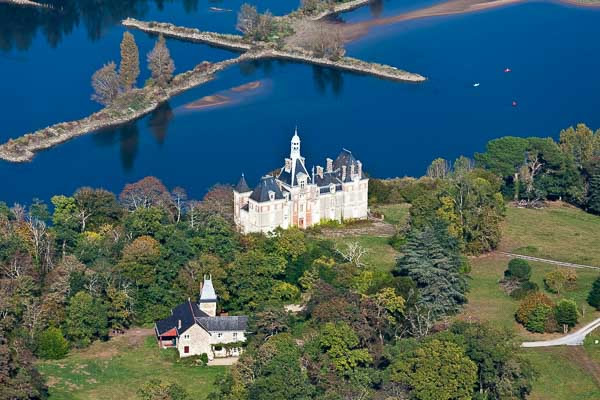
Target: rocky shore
x,y
129,107
339,8
267,50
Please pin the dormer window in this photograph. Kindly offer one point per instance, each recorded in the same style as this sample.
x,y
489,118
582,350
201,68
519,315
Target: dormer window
x,y
302,183
271,195
332,188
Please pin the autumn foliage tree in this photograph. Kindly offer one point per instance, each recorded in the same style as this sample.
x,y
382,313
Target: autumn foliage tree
x,y
129,70
160,63
145,193
105,83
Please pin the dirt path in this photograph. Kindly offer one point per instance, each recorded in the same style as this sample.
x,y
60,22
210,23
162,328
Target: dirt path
x,y
580,357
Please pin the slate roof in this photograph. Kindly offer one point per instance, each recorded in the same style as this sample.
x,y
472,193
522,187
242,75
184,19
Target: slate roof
x,y
187,312
345,158
261,191
242,186
207,294
190,314
229,323
287,177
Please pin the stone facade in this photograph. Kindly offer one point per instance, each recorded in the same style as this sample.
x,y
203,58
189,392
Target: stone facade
x,y
195,329
297,198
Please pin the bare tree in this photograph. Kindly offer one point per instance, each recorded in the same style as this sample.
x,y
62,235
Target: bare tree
x,y
529,171
420,320
160,63
193,207
33,317
179,197
145,193
219,200
439,168
324,40
247,19
353,253
105,82
19,212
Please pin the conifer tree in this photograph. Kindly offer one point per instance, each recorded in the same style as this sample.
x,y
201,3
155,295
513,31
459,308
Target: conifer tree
x,y
594,194
160,63
432,261
130,62
594,295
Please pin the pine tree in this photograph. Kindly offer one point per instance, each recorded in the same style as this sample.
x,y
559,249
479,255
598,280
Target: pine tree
x,y
160,63
432,261
594,194
130,62
594,295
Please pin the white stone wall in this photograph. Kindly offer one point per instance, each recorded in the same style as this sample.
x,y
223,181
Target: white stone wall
x,y
198,341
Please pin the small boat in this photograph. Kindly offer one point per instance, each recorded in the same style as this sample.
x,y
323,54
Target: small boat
x,y
476,84
514,103
217,9
507,70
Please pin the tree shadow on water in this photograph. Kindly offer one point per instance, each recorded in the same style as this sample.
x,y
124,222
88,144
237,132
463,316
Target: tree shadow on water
x,y
158,122
324,77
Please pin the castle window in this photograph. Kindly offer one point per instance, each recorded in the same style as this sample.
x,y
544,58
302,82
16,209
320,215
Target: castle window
x,y
302,184
235,335
219,335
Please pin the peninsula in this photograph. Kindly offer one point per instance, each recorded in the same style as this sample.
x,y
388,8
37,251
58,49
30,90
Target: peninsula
x,y
299,36
26,3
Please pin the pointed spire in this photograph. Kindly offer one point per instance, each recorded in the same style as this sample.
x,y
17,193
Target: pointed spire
x,y
207,294
242,186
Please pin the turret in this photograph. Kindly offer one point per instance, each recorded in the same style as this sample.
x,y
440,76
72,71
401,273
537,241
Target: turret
x,y
295,146
208,297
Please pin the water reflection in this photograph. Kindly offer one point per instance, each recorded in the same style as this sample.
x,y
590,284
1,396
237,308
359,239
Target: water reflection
x,y
129,137
19,25
376,8
324,77
158,122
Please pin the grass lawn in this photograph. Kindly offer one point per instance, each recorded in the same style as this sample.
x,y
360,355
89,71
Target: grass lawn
x,y
380,255
395,214
118,368
559,232
562,375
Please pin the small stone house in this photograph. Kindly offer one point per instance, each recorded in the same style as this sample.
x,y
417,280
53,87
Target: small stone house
x,y
194,328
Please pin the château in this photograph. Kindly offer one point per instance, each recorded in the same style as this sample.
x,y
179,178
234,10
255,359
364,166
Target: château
x,y
297,198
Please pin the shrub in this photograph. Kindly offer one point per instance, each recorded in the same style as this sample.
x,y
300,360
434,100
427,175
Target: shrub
x,y
204,358
566,312
51,344
536,321
518,269
594,295
526,288
559,279
529,304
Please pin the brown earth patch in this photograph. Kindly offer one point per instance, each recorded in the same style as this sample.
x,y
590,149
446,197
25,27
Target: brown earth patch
x,y
578,355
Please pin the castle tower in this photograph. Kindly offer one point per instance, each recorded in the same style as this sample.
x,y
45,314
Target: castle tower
x,y
295,146
208,297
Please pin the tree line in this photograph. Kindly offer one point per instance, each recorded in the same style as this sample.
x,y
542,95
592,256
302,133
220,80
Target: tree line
x,y
110,84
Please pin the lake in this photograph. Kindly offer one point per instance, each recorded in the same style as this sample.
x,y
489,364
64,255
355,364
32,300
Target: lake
x,y
396,129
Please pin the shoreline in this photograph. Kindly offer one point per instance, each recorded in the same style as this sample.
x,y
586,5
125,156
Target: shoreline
x,y
152,97
26,3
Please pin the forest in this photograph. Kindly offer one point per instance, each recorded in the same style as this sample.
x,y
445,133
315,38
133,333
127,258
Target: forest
x,y
88,266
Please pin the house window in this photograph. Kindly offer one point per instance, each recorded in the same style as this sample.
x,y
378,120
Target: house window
x,y
219,335
235,335
186,336
186,349
302,183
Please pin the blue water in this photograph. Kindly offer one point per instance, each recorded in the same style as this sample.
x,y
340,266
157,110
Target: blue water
x,y
396,129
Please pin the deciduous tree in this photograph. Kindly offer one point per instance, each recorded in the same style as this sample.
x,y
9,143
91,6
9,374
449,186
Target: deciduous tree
x,y
105,83
160,63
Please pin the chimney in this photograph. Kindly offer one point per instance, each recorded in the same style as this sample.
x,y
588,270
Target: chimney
x,y
359,169
343,172
179,324
329,165
352,170
320,171
288,165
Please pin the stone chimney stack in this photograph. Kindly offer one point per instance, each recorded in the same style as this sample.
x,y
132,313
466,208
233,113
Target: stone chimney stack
x,y
320,171
179,324
288,165
208,297
352,170
343,173
329,165
359,169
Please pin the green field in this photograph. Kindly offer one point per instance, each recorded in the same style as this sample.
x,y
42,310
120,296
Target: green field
x,y
118,368
559,232
396,214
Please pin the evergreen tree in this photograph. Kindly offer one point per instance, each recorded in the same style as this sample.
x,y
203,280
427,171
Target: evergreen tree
x,y
593,203
160,63
432,261
594,296
566,312
129,69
